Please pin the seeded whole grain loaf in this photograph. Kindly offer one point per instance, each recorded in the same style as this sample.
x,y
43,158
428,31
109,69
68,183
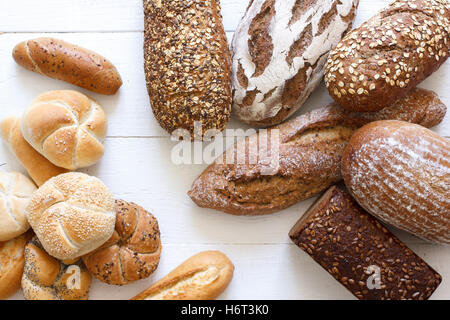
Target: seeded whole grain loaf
x,y
187,64
390,54
360,253
279,52
400,173
303,161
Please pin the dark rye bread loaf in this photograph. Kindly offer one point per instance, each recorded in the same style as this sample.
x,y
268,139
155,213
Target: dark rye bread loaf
x,y
309,148
351,245
400,173
279,52
187,64
390,54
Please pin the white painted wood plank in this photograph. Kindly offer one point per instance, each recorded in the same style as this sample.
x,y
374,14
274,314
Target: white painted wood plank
x,y
268,272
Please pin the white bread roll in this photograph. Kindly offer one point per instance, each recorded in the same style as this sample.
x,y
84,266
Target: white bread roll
x,y
72,214
15,193
67,128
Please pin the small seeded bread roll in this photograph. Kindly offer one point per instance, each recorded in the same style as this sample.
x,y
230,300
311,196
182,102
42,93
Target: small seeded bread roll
x,y
67,128
133,251
60,60
203,277
45,278
11,264
15,193
72,214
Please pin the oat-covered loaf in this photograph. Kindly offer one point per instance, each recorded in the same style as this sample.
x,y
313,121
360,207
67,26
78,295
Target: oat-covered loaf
x,y
60,60
400,173
279,52
67,128
15,193
305,159
360,253
202,277
187,64
133,251
46,278
72,214
390,54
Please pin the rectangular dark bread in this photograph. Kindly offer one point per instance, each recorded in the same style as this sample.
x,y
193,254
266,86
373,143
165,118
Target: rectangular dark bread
x,y
310,152
187,64
351,245
390,54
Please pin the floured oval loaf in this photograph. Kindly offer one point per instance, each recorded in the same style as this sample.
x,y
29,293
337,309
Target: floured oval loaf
x,y
279,52
400,173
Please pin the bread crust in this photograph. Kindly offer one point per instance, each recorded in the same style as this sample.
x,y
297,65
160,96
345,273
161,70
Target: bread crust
x,y
202,277
37,166
400,173
60,60
187,64
310,150
390,54
279,52
133,251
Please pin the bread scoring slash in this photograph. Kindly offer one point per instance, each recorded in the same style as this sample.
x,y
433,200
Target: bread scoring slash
x,y
279,52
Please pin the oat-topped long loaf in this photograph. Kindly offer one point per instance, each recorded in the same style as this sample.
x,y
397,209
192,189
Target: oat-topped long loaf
x,y
279,52
187,64
390,54
309,149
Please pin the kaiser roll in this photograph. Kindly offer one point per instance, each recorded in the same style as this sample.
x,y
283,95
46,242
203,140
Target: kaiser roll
x,y
45,278
133,252
15,192
72,214
67,128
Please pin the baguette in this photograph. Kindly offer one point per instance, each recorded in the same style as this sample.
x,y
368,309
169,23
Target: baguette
x,y
309,149
351,245
400,173
202,277
60,60
386,57
38,167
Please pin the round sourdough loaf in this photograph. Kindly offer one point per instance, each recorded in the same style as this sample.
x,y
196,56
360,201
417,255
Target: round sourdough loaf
x,y
67,128
15,193
133,251
400,173
72,214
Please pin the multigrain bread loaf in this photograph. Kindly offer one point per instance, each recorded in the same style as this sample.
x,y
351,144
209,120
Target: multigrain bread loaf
x,y
202,277
45,278
37,166
15,193
133,251
72,214
360,253
11,264
305,158
187,64
400,173
279,52
60,60
67,128
386,57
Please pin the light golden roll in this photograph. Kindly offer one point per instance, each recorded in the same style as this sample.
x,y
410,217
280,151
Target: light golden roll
x,y
46,278
11,264
15,193
72,214
67,128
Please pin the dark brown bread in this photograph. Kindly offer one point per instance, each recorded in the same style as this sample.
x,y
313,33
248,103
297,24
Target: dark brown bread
x,y
187,64
60,60
310,149
347,242
386,57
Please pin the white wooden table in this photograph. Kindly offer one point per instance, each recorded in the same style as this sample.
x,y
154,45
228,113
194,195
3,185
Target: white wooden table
x,y
137,165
